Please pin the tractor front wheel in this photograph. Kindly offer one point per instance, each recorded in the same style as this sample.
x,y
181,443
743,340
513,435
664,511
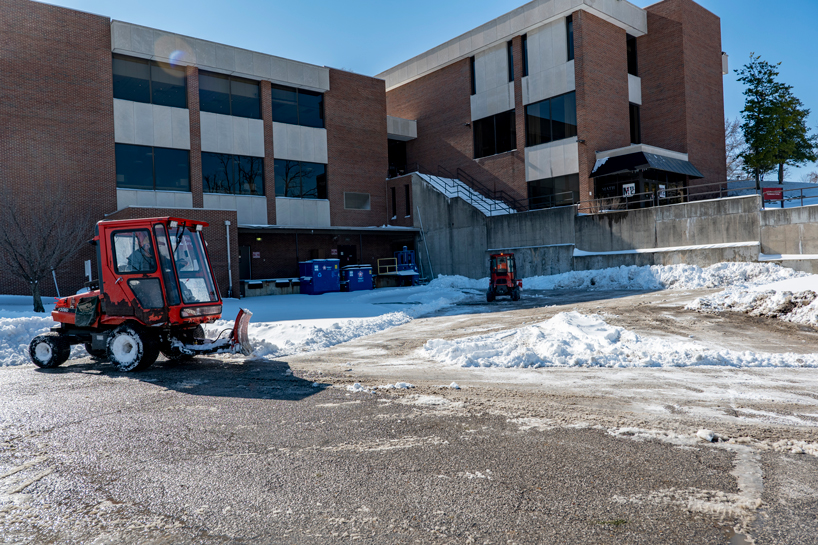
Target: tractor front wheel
x,y
515,295
131,348
490,296
49,350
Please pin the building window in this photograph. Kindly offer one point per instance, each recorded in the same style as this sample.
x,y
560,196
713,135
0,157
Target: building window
x,y
298,107
569,26
636,124
300,180
408,191
357,201
510,47
551,119
232,174
152,169
494,134
473,76
525,55
394,194
229,95
151,82
559,191
633,60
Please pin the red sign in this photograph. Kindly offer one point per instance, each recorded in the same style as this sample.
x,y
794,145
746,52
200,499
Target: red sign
x,y
256,255
773,193
334,251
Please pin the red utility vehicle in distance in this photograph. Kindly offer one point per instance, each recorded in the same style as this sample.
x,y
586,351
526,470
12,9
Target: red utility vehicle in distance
x,y
155,291
504,279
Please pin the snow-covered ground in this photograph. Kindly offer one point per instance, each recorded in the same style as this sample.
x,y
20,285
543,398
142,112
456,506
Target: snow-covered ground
x,y
289,324
571,339
793,299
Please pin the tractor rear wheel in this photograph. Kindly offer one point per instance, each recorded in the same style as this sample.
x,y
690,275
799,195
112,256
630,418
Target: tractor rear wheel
x,y
490,296
49,350
515,295
131,348
99,354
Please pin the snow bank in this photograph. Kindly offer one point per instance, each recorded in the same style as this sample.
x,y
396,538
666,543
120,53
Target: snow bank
x,y
15,335
576,340
658,277
792,300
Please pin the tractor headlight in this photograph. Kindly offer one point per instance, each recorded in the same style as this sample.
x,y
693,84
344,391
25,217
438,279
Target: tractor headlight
x,y
201,311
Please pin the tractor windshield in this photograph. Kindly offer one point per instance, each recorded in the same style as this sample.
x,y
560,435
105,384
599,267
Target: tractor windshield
x,y
192,266
502,264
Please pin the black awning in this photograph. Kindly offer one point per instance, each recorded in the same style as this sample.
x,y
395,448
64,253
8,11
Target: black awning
x,y
633,162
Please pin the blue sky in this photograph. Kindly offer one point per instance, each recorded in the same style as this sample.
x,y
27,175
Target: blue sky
x,y
369,36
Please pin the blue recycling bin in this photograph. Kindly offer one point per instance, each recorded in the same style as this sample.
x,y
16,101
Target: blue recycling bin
x,y
357,277
320,276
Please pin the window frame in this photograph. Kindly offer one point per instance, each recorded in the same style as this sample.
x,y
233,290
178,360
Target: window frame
x,y
569,31
510,55
133,233
234,183
528,140
635,122
230,79
153,168
151,65
473,76
298,93
301,181
513,135
633,55
525,55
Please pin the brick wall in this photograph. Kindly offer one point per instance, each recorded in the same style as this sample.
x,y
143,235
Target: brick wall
x,y
683,84
601,73
441,104
355,118
214,234
56,117
398,215
265,89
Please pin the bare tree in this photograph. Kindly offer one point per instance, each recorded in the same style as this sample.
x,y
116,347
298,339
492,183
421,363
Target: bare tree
x,y
810,177
38,233
734,143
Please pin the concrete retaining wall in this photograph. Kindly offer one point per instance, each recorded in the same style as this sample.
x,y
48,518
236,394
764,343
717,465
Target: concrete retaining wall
x,y
544,241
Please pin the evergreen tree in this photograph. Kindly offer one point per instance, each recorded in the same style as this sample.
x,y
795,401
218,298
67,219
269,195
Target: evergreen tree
x,y
774,122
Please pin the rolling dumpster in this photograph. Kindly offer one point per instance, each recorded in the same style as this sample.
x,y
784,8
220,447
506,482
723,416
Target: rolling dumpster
x,y
320,276
357,277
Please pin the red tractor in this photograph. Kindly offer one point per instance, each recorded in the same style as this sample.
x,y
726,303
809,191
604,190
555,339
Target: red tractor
x,y
503,278
156,289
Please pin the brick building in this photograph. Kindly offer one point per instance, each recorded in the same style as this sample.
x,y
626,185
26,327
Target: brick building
x,y
289,161
565,102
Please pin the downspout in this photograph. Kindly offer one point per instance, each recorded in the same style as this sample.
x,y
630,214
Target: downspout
x,y
229,266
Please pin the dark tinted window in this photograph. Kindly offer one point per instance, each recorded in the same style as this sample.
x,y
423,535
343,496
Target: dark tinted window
x,y
244,98
132,79
172,168
300,180
217,172
134,166
525,55
232,174
633,59
249,171
168,86
510,48
298,107
214,93
473,76
559,191
636,124
494,134
407,189
311,109
569,24
551,119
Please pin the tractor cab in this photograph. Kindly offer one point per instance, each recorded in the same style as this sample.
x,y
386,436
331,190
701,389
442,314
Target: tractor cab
x,y
503,280
156,289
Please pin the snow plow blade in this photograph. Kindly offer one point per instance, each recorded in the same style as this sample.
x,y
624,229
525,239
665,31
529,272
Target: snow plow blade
x,y
239,339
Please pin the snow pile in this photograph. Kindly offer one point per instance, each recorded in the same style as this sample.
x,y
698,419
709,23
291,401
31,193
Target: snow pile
x,y
16,334
397,386
571,339
793,300
658,277
458,282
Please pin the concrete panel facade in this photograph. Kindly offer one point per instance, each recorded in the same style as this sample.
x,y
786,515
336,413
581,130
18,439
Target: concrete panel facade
x,y
149,43
250,210
552,82
231,134
494,101
634,89
302,212
151,125
401,129
162,199
553,159
298,143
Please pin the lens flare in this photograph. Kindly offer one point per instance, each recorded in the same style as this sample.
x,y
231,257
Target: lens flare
x,y
177,57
